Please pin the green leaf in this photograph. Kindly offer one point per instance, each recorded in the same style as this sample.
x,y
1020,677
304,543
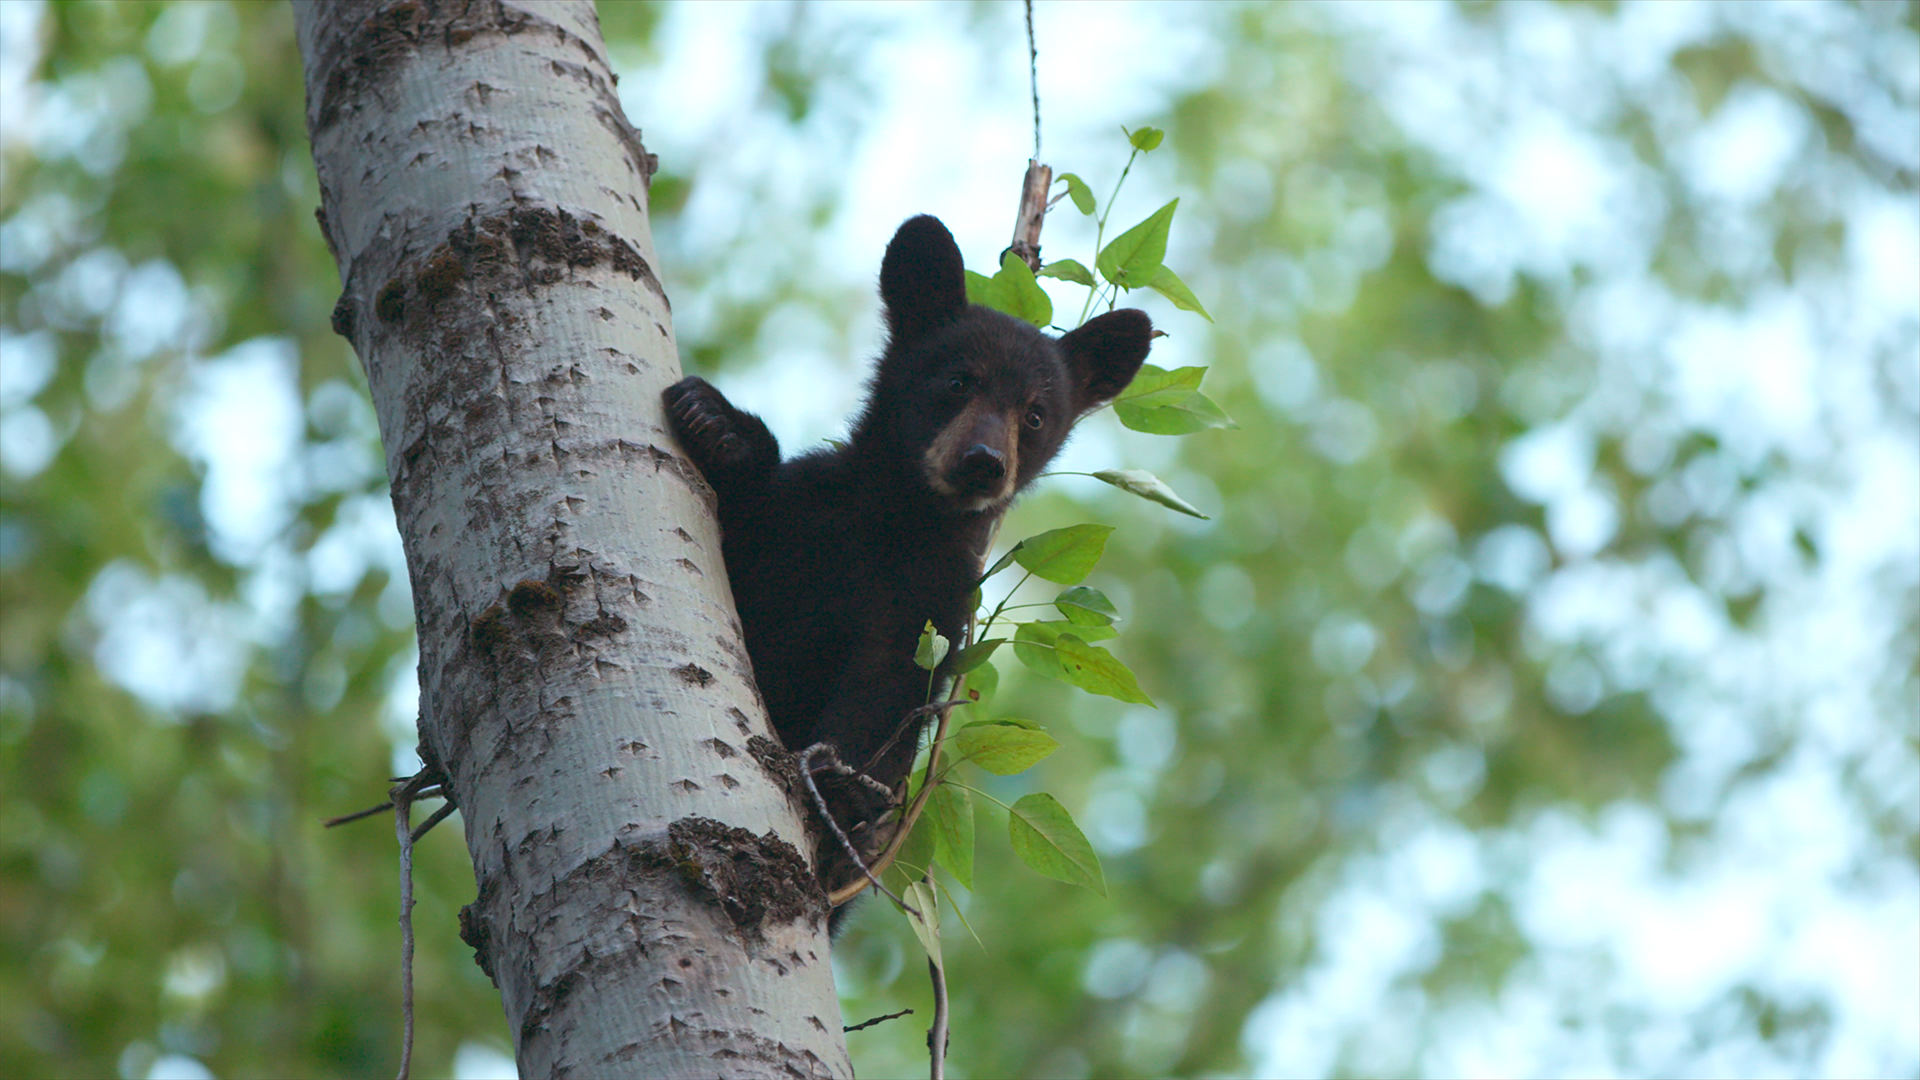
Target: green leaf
x,y
974,655
1004,747
922,898
1096,670
1132,258
986,291
1148,486
1168,403
1063,556
916,854
1147,138
1154,386
1086,607
1168,284
1162,421
951,808
1196,413
1087,631
1003,562
1026,298
981,684
1202,406
1036,645
1044,836
1068,270
1033,647
1080,193
931,650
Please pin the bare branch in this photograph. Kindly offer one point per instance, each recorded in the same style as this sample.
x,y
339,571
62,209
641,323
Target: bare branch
x,y
833,763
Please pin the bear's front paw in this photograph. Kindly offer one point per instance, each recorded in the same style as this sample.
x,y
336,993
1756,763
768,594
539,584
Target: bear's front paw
x,y
707,424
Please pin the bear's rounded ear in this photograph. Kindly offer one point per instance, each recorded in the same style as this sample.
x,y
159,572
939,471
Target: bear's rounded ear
x,y
1106,353
922,279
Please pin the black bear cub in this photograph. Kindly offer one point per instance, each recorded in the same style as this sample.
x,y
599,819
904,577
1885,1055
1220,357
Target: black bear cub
x,y
840,556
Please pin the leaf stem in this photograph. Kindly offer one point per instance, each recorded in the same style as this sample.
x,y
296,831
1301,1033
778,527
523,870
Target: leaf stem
x,y
1100,229
976,791
1003,604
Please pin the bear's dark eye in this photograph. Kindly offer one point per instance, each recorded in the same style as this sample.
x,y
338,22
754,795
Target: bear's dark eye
x,y
957,384
1035,418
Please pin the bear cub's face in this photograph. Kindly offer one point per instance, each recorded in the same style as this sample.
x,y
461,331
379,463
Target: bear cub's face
x,y
989,404
979,401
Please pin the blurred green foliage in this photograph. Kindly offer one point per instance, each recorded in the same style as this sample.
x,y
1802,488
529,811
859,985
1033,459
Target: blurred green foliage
x,y
1365,655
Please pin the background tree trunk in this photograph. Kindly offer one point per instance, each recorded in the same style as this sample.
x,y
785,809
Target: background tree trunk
x,y
644,906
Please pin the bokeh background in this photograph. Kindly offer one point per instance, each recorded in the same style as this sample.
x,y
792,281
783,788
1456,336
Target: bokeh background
x,y
1541,698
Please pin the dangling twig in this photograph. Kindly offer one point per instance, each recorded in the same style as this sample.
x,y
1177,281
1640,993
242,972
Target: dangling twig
x,y
832,756
402,827
1033,79
906,724
912,814
428,783
1039,178
937,1032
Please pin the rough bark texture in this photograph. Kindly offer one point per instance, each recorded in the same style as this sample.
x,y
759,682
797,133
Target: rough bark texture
x,y
643,904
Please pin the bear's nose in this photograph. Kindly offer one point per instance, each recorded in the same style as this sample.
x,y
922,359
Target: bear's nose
x,y
982,464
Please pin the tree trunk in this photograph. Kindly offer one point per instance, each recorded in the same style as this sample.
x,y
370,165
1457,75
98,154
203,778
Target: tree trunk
x,y
643,903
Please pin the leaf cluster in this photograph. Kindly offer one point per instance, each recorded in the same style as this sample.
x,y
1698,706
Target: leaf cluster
x,y
1040,830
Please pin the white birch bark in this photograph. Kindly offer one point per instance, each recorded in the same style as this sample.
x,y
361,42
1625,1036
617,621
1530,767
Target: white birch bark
x,y
642,903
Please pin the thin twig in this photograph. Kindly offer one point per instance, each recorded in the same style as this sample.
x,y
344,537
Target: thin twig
x,y
905,724
429,782
402,827
1033,79
937,1033
1038,180
852,889
878,1020
358,814
428,791
987,627
433,819
1100,227
806,772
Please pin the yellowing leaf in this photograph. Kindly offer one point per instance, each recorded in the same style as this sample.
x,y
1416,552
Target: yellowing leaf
x,y
1096,670
1004,748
